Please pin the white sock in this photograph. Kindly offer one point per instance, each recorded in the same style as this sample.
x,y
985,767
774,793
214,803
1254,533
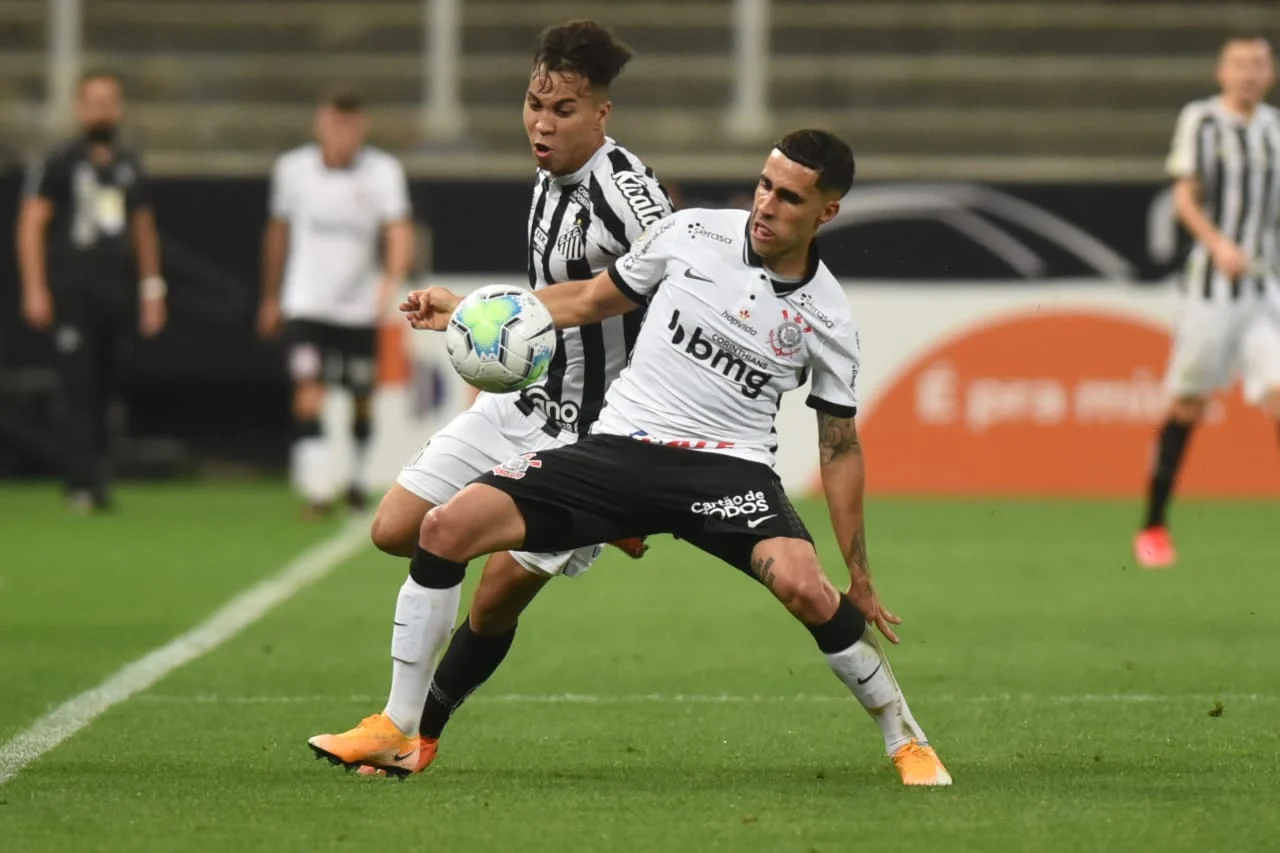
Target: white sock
x,y
864,669
424,621
360,469
311,468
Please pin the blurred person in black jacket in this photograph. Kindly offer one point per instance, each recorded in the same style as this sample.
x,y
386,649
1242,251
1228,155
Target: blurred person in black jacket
x,y
89,258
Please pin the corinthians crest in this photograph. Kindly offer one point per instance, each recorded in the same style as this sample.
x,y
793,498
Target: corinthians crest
x,y
516,468
788,337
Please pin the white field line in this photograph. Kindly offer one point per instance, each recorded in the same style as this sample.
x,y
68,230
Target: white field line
x,y
236,615
729,699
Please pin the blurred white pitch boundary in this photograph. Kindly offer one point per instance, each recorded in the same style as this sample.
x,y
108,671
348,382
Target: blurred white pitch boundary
x,y
730,699
242,611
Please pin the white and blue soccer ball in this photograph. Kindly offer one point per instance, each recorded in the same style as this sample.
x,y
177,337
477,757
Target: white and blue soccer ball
x,y
501,338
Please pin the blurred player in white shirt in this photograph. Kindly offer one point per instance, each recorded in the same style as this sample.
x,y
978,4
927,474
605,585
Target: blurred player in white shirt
x,y
336,205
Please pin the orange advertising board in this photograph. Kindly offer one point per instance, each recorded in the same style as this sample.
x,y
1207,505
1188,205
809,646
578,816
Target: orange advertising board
x,y
1054,403
393,353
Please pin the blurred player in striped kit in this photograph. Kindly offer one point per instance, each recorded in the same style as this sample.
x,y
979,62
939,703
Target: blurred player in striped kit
x,y
1226,162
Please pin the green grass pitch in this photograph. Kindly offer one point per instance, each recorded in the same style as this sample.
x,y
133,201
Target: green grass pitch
x,y
665,704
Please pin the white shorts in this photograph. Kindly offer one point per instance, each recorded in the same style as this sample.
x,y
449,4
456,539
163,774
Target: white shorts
x,y
1216,339
491,432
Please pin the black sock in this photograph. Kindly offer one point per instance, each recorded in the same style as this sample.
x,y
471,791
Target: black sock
x,y
306,428
468,662
1169,452
435,572
361,430
842,630
361,426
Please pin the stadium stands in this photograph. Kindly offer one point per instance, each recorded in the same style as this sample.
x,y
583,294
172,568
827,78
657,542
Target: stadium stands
x,y
924,81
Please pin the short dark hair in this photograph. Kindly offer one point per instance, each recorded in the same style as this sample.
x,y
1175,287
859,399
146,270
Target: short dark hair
x,y
824,153
91,74
1243,36
343,99
585,48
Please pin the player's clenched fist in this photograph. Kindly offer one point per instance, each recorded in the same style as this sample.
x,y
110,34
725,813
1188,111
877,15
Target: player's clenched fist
x,y
430,308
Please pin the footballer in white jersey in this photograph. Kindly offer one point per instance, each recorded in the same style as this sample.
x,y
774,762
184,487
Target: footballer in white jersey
x,y
739,311
335,206
751,336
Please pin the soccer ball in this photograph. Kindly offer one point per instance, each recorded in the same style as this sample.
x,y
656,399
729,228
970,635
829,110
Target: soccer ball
x,y
501,338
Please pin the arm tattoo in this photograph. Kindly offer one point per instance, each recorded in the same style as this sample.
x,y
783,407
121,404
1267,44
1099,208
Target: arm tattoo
x,y
837,437
858,550
763,569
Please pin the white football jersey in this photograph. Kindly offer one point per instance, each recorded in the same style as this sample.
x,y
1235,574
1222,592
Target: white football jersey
x,y
722,341
336,218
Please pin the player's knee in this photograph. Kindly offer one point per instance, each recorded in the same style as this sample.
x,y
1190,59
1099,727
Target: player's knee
x,y
391,536
813,599
308,400
796,579
445,533
433,532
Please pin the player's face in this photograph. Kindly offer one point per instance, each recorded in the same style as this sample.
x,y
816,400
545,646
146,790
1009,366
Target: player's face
x,y
564,120
100,104
788,208
1246,71
340,134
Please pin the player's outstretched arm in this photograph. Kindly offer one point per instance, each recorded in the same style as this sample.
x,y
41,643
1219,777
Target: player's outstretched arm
x,y
844,479
571,303
580,303
429,309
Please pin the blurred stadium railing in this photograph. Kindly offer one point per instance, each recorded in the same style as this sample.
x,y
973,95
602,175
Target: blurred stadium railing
x,y
985,89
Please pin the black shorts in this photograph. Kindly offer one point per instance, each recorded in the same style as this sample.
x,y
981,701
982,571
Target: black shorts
x,y
333,354
606,487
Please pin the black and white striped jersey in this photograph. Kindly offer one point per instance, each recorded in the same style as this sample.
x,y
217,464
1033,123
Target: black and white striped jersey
x,y
1237,162
579,224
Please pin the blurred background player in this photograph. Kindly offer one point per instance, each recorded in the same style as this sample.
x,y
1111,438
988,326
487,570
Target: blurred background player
x,y
334,204
89,258
1226,160
592,198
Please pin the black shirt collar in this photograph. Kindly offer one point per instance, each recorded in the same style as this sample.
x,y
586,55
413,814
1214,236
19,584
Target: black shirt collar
x,y
781,287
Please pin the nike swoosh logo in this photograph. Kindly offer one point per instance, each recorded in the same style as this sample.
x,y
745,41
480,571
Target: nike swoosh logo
x,y
406,755
871,676
696,276
756,522
400,624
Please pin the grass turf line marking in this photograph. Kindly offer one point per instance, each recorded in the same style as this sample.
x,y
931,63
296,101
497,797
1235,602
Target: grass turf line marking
x,y
242,611
729,699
